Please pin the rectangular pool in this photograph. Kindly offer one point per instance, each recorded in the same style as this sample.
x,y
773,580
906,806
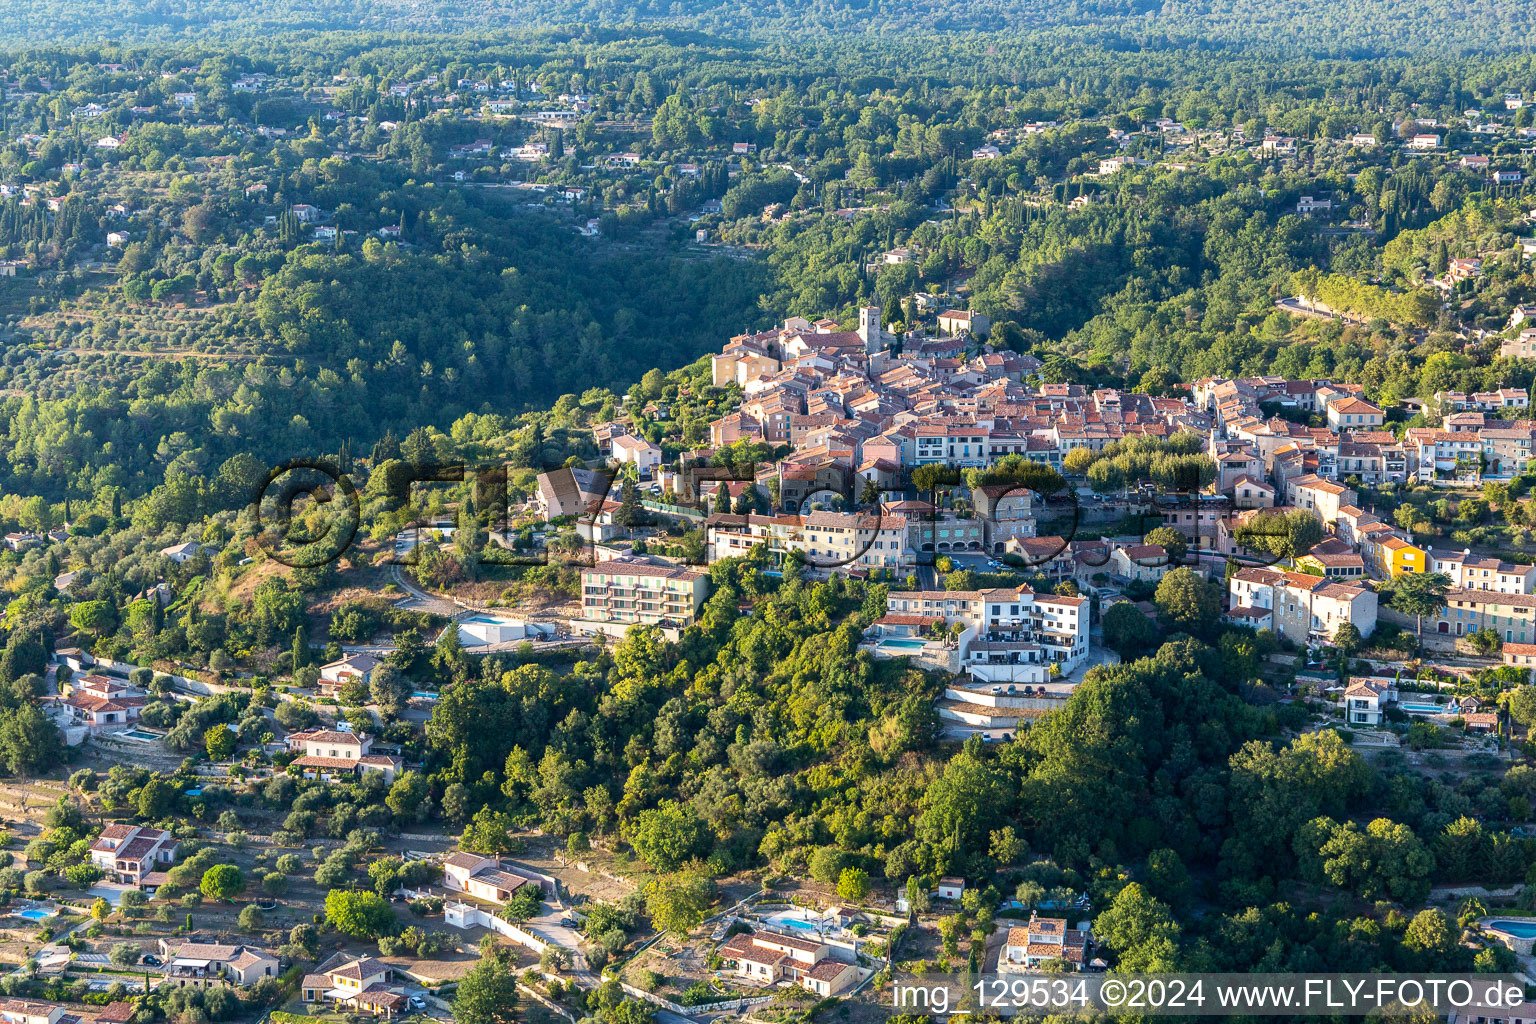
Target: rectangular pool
x,y
902,644
1425,709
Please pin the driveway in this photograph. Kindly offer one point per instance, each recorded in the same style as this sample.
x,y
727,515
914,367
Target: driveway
x,y
112,892
547,926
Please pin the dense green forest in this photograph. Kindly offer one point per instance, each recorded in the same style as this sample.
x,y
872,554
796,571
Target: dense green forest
x,y
457,286
1354,28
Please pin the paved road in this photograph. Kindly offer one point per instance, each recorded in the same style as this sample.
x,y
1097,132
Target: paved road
x,y
421,600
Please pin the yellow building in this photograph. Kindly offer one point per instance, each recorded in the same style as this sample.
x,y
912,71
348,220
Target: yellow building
x,y
1391,556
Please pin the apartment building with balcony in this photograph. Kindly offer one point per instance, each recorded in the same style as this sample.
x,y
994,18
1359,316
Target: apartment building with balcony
x,y
625,592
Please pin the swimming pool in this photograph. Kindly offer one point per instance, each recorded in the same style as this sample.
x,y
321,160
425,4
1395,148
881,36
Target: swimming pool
x,y
1424,709
1519,929
902,644
140,735
33,914
794,920
424,694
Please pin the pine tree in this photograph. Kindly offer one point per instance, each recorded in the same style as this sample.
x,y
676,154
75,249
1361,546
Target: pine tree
x,y
386,448
449,650
628,512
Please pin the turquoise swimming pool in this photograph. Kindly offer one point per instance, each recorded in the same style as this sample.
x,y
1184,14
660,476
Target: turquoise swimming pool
x,y
902,643
33,914
1519,929
1415,708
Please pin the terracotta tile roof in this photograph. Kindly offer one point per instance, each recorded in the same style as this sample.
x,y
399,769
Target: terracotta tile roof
x,y
313,761
829,970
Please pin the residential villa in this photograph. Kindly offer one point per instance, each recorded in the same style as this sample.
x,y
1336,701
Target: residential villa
x,y
330,753
355,983
482,877
193,964
135,855
336,674
767,957
1043,940
1364,699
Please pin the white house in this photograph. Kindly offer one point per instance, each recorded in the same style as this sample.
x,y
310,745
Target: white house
x,y
635,451
185,552
1363,700
482,877
354,666
97,712
133,854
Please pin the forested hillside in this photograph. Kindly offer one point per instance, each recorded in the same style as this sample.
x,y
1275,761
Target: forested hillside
x,y
1314,27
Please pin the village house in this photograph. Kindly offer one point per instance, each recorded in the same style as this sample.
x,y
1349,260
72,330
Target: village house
x,y
1389,553
570,492
38,1011
1145,563
1007,635
184,552
767,957
1303,608
1006,512
964,321
635,451
1354,414
1520,656
1321,497
1511,616
1474,572
102,713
